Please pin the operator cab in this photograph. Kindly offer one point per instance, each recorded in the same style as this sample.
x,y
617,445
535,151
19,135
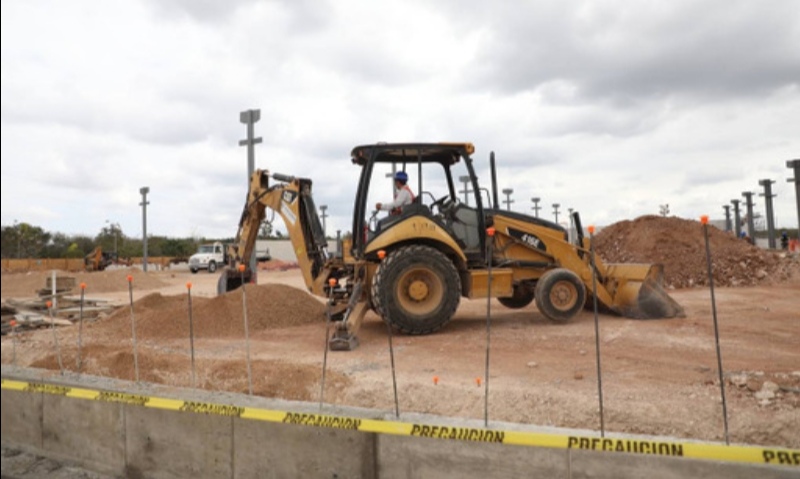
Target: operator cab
x,y
443,180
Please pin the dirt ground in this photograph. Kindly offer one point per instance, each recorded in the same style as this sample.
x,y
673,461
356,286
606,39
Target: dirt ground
x,y
658,377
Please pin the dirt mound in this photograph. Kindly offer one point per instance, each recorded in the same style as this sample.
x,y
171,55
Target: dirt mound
x,y
269,306
23,285
679,245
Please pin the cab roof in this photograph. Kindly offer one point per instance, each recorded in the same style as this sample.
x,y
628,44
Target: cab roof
x,y
445,153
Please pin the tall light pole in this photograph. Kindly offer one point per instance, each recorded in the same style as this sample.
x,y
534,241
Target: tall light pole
x,y
555,210
249,118
144,190
536,206
466,180
508,200
795,165
324,215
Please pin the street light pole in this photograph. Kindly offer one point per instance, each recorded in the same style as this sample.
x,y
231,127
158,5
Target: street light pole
x,y
144,190
555,210
508,201
249,118
324,215
536,206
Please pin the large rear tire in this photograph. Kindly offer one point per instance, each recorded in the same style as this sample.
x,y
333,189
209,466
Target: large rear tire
x,y
416,289
560,295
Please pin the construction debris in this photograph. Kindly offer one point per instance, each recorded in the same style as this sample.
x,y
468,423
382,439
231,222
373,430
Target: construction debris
x,y
34,313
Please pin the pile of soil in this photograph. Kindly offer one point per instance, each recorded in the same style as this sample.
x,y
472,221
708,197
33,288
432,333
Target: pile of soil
x,y
269,306
23,285
679,245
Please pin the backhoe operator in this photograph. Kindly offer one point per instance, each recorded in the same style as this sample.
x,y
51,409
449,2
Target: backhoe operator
x,y
403,195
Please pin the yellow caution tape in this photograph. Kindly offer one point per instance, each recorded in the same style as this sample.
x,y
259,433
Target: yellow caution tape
x,y
718,452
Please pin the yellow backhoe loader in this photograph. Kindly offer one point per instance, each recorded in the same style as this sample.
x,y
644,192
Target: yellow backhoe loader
x,y
413,267
98,260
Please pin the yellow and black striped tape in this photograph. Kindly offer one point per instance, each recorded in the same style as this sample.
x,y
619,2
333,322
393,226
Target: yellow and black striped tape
x,y
719,452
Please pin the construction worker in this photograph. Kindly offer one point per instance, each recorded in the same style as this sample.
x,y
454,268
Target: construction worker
x,y
402,196
784,240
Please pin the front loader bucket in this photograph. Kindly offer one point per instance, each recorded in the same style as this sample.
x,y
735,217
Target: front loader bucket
x,y
640,293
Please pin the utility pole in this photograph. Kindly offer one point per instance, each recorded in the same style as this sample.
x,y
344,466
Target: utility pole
x,y
751,229
466,180
555,210
144,190
727,217
249,118
324,215
536,206
795,165
508,200
767,194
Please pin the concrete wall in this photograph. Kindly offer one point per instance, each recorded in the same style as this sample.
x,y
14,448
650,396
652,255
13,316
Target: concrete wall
x,y
134,441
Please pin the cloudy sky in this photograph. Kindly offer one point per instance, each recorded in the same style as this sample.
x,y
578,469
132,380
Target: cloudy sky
x,y
608,107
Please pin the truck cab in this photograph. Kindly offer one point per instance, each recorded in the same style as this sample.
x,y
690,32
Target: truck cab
x,y
209,256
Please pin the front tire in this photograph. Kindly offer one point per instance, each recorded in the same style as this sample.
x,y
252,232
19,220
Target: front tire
x,y
416,289
212,267
560,295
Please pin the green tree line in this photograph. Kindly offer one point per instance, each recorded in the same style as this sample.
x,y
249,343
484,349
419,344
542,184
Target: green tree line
x,y
24,240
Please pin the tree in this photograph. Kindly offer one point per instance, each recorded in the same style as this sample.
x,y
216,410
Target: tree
x,y
663,210
23,240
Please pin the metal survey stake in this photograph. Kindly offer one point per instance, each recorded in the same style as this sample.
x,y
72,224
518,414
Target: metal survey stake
x,y
13,324
133,331
191,333
246,332
331,284
596,331
55,336
381,256
490,247
80,331
704,221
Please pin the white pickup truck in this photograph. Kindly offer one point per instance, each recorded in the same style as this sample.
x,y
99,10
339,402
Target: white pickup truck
x,y
211,256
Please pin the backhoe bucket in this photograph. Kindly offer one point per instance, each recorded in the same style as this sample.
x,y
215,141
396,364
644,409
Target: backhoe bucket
x,y
640,293
230,279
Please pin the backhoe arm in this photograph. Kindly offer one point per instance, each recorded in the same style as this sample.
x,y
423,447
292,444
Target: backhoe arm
x,y
291,198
